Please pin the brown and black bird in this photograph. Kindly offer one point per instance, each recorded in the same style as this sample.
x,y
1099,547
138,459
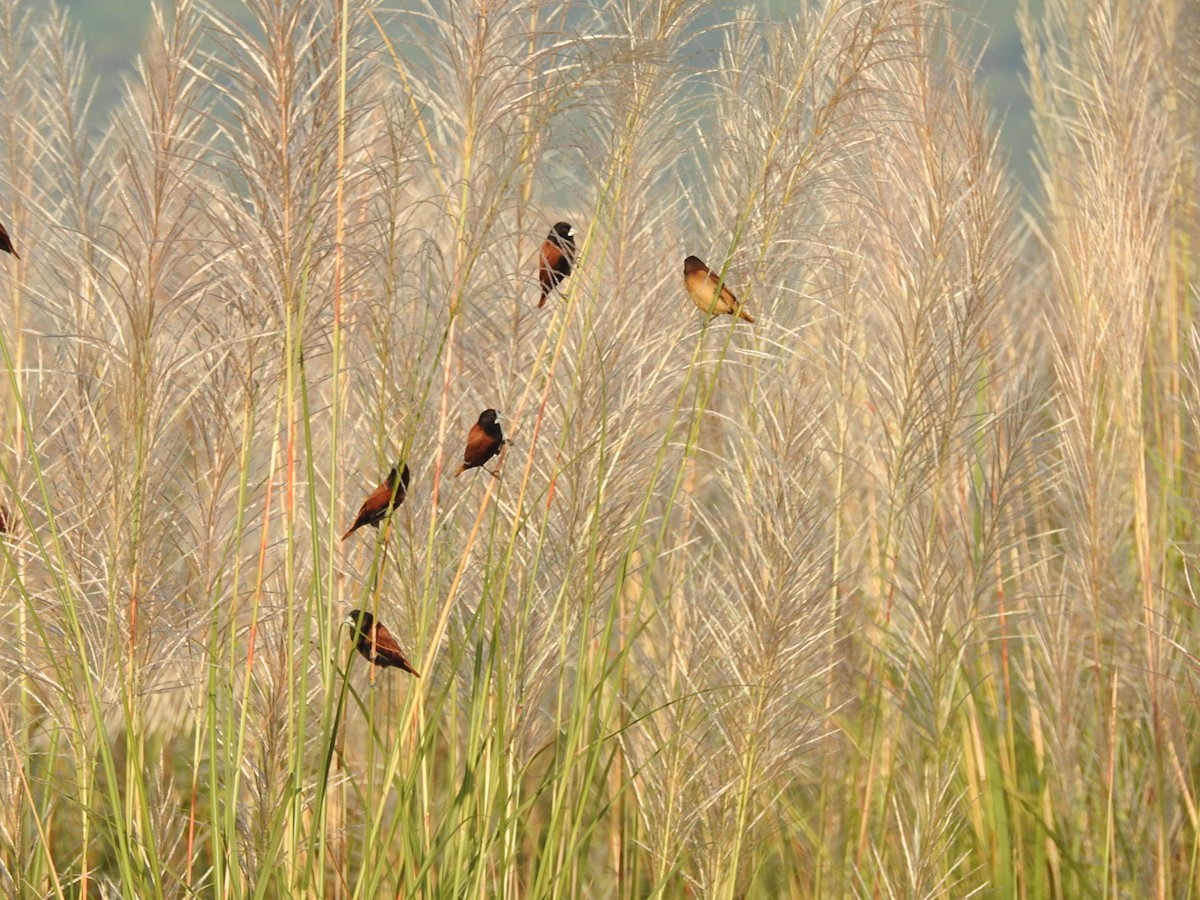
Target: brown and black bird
x,y
376,643
484,441
6,243
556,259
701,286
383,500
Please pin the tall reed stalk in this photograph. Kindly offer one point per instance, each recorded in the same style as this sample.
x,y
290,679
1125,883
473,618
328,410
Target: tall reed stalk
x,y
888,594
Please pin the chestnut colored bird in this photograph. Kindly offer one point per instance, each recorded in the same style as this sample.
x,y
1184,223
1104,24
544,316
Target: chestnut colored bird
x,y
376,643
556,259
484,441
701,286
382,501
6,243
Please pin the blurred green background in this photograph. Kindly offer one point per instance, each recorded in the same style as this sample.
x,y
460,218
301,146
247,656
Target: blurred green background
x,y
113,31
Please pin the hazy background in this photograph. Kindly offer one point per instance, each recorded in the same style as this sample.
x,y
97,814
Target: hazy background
x,y
891,594
113,31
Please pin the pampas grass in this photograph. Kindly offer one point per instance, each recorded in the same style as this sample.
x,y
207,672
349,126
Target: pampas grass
x,y
890,594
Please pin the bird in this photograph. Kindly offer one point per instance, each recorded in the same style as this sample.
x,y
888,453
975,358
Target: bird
x,y
381,501
556,259
375,642
484,441
701,286
6,243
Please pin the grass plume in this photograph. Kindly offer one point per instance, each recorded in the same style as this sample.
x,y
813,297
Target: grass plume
x,y
889,594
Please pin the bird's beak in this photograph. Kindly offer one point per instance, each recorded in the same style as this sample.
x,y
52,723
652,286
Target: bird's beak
x,y
571,232
348,621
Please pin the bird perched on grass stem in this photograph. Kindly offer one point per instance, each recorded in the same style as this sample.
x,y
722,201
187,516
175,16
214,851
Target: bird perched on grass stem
x,y
383,500
6,243
484,442
376,643
556,259
701,286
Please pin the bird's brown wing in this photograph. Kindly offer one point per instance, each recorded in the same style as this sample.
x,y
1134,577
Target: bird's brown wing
x,y
702,285
387,649
711,281
480,447
552,266
727,296
375,507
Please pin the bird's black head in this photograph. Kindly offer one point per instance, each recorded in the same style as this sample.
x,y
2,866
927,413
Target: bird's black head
x,y
563,234
360,620
693,264
404,478
488,417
